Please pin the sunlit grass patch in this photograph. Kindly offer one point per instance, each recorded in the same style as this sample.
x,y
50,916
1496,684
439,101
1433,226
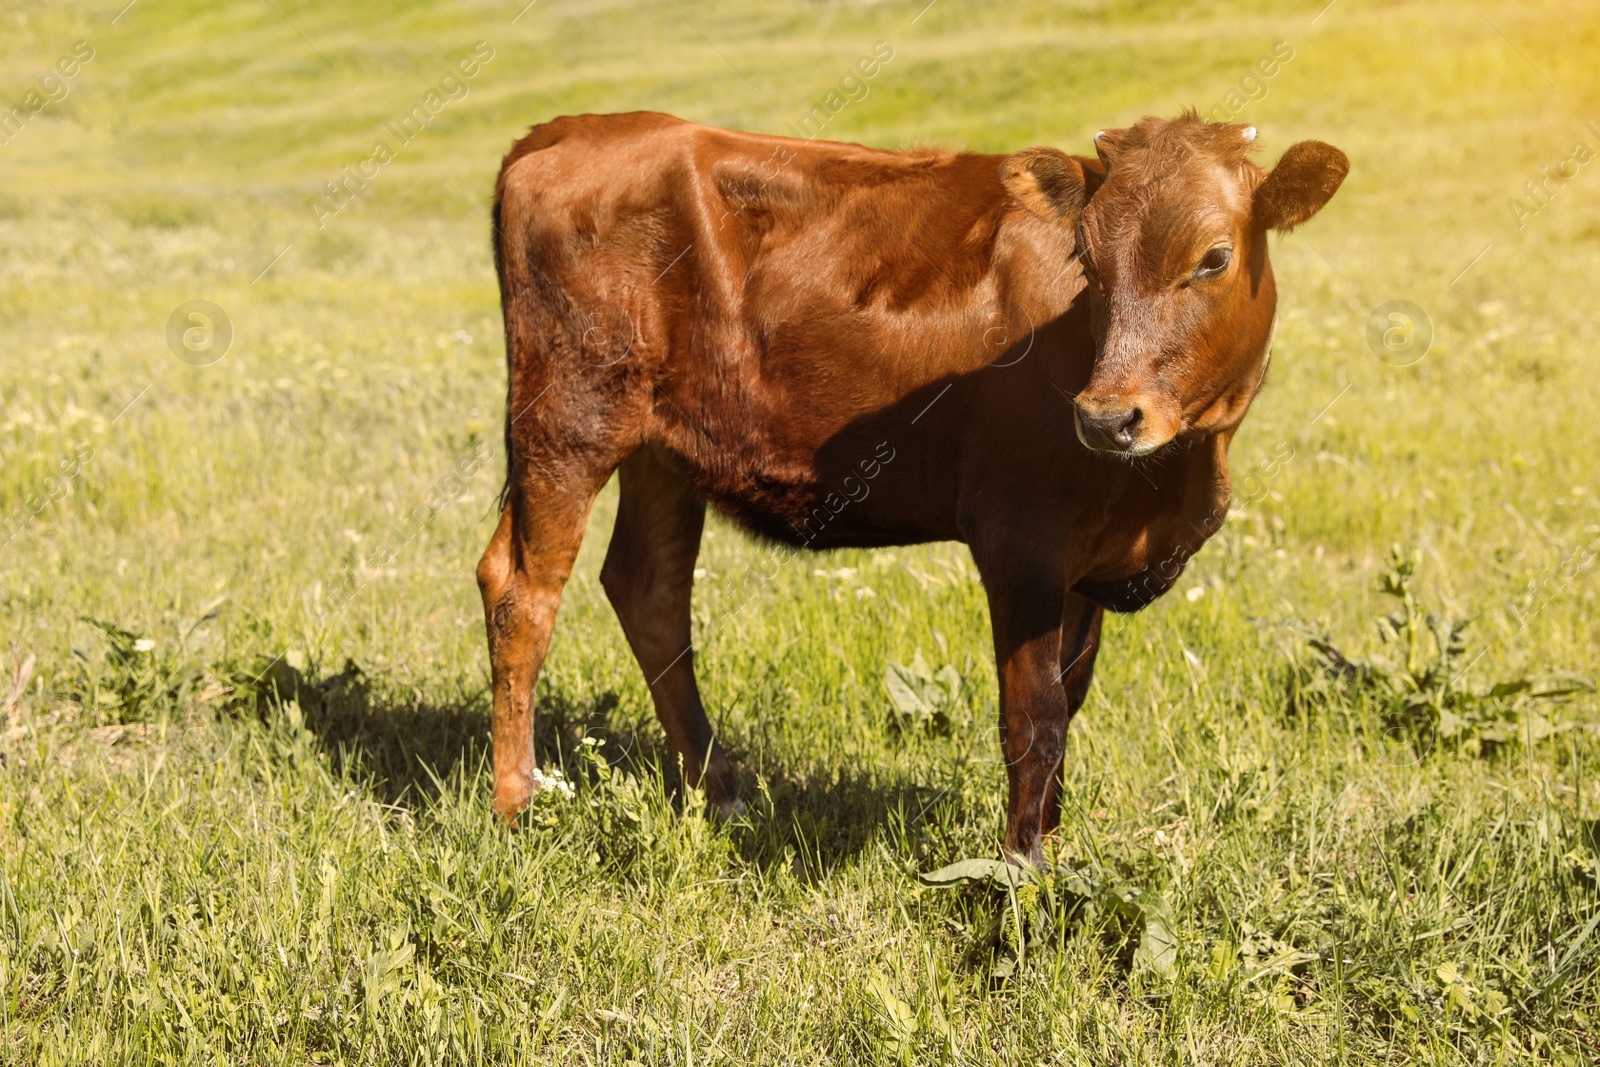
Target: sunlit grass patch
x,y
244,774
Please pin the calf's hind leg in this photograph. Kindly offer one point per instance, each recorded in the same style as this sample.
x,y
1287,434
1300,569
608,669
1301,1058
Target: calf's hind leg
x,y
521,576
648,576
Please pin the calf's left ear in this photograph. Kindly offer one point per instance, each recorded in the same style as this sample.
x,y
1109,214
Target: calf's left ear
x,y
1305,178
1047,182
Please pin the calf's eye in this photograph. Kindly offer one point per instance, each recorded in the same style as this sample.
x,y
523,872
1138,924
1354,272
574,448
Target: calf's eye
x,y
1215,262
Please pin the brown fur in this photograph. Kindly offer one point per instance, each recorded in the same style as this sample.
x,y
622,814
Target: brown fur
x,y
838,345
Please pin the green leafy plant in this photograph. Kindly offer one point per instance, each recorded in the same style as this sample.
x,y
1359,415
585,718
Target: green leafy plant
x,y
924,699
1041,906
1263,966
142,676
897,1020
1418,676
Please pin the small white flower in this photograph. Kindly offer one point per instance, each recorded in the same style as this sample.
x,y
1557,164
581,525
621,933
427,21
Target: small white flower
x,y
864,592
551,780
1195,594
143,644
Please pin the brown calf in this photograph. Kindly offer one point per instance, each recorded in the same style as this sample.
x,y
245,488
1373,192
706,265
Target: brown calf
x,y
957,347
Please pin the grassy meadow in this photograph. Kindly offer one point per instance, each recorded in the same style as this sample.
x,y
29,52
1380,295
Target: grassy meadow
x,y
244,788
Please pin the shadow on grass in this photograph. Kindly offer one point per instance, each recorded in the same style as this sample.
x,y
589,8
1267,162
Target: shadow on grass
x,y
802,815
814,819
402,750
406,748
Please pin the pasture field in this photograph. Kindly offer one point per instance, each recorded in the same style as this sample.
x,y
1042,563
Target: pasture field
x,y
244,788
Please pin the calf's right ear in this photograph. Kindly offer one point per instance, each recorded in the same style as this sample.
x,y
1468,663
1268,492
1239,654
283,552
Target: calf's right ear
x,y
1047,182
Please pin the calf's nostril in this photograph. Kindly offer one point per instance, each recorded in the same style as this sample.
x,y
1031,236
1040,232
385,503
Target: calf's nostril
x,y
1114,430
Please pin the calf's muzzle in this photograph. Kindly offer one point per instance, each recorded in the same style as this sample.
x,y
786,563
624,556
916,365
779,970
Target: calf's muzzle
x,y
1108,424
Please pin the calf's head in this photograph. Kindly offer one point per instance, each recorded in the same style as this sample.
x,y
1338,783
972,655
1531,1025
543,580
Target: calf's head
x,y
1171,236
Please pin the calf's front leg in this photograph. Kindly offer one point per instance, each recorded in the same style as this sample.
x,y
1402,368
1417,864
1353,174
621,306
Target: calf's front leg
x,y
1080,643
1025,609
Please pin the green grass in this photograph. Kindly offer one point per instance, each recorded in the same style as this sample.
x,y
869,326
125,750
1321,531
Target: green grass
x,y
189,876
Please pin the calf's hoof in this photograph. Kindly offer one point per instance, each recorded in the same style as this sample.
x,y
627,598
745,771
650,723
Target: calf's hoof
x,y
510,798
728,810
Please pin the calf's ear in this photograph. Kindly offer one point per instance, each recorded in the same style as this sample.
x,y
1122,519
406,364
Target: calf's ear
x,y
1047,182
1305,178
